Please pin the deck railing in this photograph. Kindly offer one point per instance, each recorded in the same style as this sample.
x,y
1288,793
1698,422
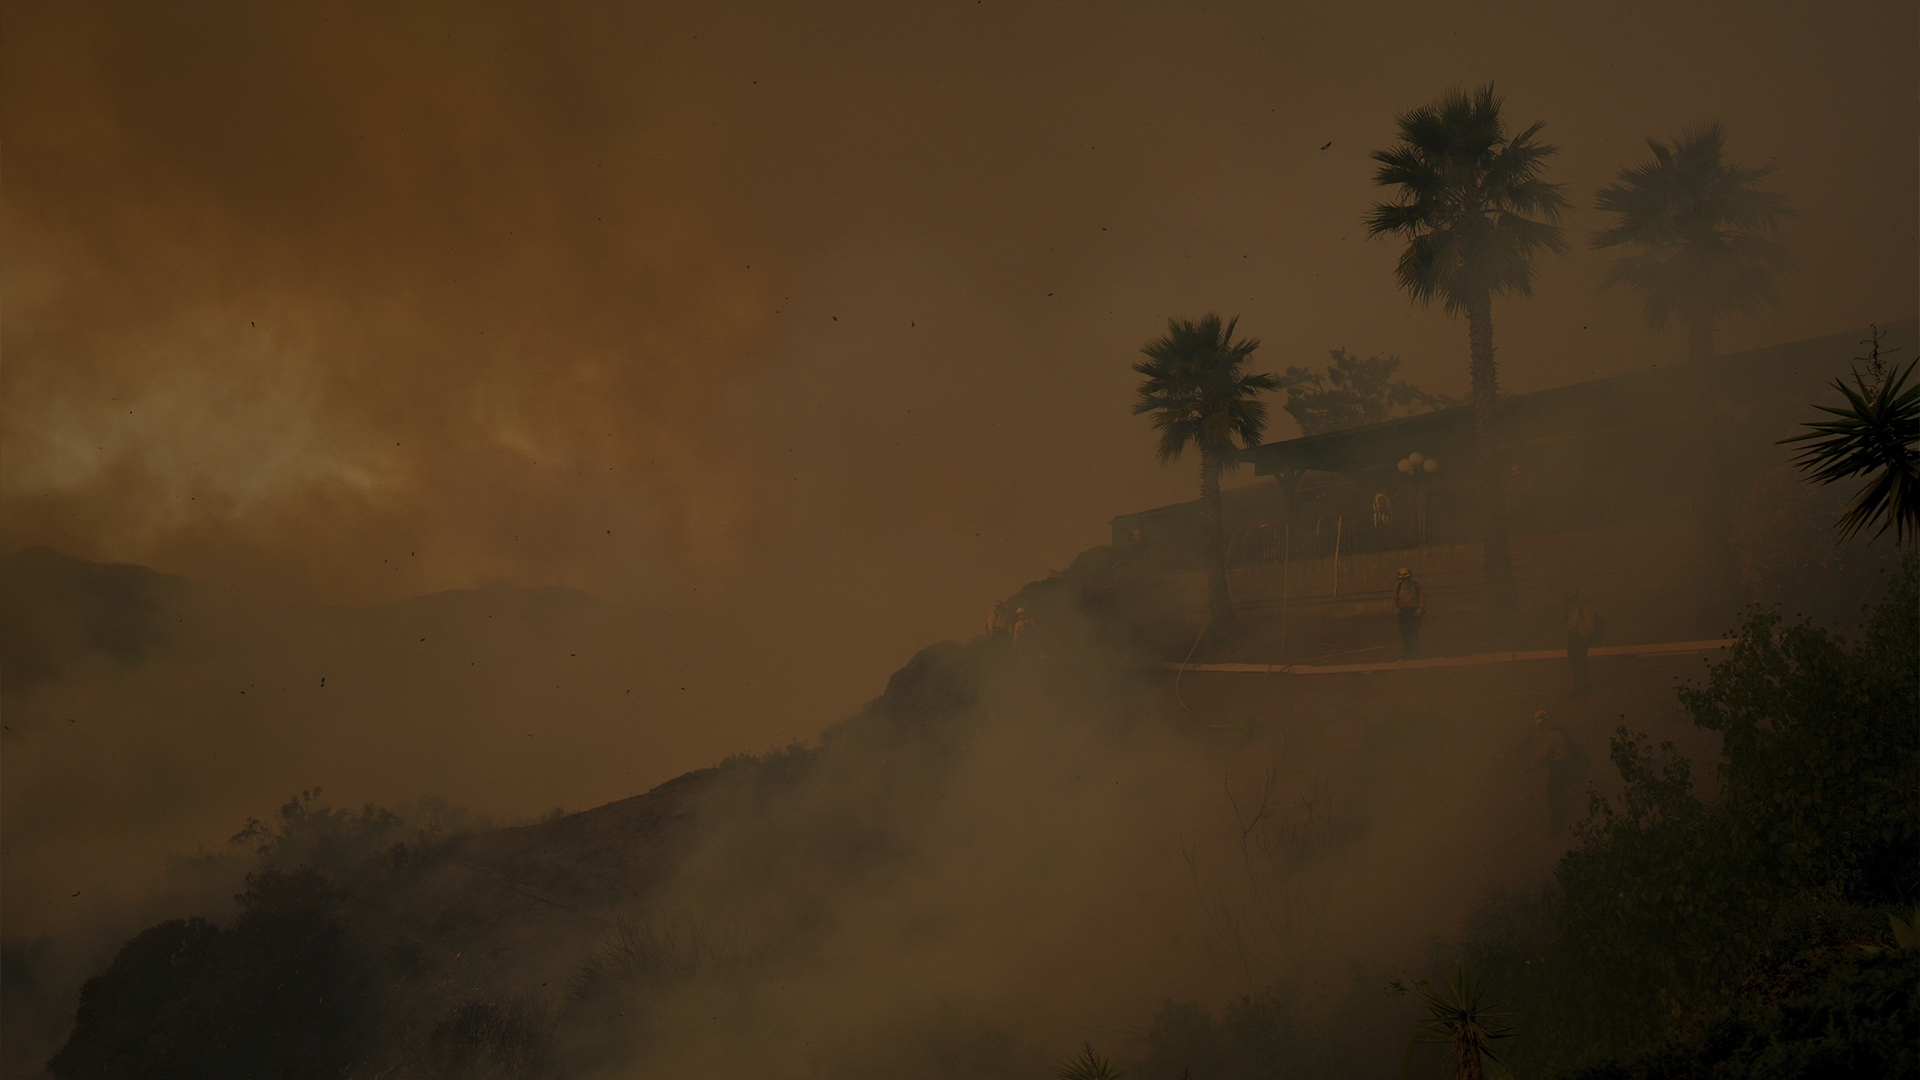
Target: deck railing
x,y
1323,537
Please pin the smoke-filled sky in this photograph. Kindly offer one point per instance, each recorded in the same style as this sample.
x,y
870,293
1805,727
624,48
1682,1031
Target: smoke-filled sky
x,y
802,329
787,338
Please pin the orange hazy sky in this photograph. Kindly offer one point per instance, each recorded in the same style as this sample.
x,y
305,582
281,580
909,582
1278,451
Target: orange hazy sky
x,y
814,319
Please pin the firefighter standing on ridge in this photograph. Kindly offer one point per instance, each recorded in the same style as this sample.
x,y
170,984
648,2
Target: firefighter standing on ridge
x,y
1582,627
1406,601
1566,763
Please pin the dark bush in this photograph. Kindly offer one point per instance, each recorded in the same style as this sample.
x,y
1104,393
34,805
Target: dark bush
x,y
482,1040
1854,1016
120,1010
271,996
1684,932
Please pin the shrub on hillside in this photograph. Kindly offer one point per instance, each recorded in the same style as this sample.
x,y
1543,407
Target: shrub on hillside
x,y
485,1040
272,994
1358,1033
1745,936
1676,916
1844,1015
1671,903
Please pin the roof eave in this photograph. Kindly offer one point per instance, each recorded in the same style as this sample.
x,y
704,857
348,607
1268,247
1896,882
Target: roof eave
x,y
1353,449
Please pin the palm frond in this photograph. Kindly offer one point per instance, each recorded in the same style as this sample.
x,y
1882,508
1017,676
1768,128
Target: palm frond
x,y
1472,203
1197,391
1696,221
1426,266
1876,434
1527,236
1387,217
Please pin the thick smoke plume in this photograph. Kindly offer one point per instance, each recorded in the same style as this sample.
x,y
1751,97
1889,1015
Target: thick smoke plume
x,y
587,392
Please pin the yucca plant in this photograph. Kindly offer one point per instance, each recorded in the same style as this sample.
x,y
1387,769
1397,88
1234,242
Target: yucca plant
x,y
1087,1065
1460,1018
1876,433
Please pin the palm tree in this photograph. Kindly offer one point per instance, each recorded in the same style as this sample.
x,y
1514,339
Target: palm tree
x,y
1878,431
1198,394
1697,221
1468,200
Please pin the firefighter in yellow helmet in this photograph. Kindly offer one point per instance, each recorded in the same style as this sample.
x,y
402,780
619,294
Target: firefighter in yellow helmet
x,y
1410,608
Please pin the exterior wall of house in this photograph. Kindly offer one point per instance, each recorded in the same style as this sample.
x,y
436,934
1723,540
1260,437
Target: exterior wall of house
x,y
1627,488
1647,578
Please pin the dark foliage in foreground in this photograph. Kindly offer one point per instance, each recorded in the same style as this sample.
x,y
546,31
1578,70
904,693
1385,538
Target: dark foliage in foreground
x,y
270,995
1687,931
1839,1015
1275,1035
1673,908
1743,937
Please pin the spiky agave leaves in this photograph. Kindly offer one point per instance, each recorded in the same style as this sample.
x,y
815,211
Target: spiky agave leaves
x,y
1460,1018
1878,432
1087,1065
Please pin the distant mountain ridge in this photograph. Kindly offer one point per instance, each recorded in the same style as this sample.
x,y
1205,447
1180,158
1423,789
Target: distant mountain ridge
x,y
52,605
55,607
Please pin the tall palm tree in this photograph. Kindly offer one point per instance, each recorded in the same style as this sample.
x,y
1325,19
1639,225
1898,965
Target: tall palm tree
x,y
1468,203
1877,432
1199,395
1701,228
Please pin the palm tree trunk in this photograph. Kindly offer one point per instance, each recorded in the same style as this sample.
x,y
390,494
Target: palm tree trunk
x,y
1700,337
1220,618
1502,601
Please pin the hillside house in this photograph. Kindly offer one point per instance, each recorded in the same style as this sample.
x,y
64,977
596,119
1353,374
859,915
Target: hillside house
x,y
1644,490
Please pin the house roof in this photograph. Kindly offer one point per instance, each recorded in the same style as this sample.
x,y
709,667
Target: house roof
x,y
1767,390
1358,448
